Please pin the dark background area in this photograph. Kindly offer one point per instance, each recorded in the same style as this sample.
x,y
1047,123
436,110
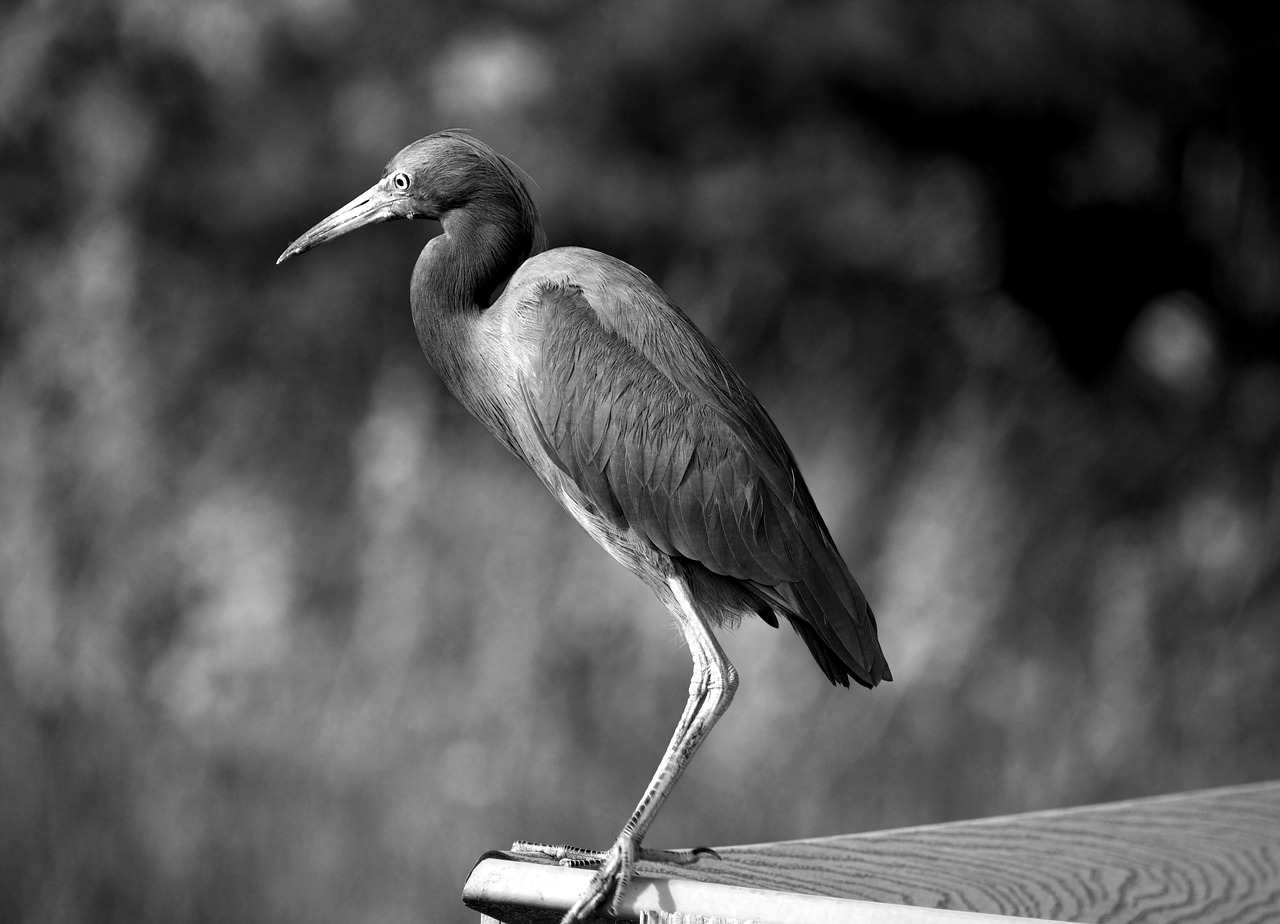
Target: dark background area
x,y
288,637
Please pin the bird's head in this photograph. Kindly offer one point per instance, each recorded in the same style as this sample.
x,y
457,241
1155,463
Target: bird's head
x,y
431,178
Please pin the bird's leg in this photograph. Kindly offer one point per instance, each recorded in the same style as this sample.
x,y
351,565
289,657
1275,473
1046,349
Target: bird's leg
x,y
710,692
568,855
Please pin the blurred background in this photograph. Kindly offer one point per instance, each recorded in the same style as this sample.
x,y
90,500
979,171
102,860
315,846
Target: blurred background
x,y
286,636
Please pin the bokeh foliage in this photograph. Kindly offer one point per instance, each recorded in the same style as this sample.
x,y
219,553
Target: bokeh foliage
x,y
286,636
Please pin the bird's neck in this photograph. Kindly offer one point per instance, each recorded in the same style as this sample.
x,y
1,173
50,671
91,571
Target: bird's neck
x,y
458,272
482,245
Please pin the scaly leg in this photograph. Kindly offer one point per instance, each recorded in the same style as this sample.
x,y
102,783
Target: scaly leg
x,y
710,692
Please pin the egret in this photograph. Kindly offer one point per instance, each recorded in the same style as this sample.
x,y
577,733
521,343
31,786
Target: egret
x,y
637,425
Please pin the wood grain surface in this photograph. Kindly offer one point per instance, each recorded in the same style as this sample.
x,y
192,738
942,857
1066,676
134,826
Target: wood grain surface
x,y
1211,856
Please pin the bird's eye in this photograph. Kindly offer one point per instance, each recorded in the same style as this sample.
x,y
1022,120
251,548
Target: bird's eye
x,y
401,181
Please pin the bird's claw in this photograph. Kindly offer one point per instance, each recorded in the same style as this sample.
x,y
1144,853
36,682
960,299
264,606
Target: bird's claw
x,y
617,865
685,857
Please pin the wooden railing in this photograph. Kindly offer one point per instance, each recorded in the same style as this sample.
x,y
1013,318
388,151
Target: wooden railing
x,y
1207,857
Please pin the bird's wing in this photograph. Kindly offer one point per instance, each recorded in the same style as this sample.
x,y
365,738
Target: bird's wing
x,y
661,435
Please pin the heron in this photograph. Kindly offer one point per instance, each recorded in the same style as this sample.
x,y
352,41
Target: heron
x,y
637,425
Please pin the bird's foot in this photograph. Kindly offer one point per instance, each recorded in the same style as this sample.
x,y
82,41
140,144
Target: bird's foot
x,y
616,866
609,884
579,858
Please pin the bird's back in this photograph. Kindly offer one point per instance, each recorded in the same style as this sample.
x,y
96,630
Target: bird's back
x,y
649,437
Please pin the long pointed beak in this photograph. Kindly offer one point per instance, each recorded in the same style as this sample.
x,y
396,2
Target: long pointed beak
x,y
368,208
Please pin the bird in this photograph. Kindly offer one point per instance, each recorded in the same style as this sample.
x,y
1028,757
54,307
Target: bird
x,y
588,373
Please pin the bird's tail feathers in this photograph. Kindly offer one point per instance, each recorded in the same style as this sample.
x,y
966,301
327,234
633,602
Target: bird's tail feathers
x,y
840,635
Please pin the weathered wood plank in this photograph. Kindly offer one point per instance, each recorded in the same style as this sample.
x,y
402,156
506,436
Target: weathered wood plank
x,y
1214,853
1210,856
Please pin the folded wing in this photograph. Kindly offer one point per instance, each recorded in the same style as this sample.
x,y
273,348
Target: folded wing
x,y
656,429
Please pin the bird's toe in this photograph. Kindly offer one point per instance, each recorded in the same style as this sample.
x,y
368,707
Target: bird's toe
x,y
563,854
678,857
